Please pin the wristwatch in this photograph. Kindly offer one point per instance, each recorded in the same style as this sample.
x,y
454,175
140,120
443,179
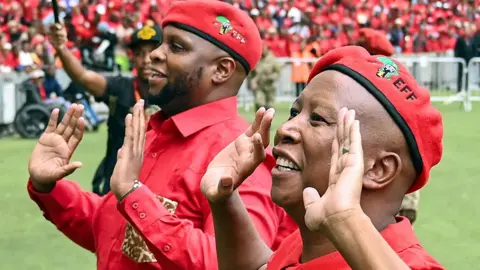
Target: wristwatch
x,y
136,184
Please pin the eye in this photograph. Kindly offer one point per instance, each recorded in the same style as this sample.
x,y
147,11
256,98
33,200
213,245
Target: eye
x,y
175,47
317,119
293,112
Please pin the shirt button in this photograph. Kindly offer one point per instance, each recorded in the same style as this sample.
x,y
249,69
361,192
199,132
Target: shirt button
x,y
154,155
142,215
135,205
166,248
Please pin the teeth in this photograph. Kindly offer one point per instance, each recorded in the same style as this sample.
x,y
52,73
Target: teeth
x,y
286,164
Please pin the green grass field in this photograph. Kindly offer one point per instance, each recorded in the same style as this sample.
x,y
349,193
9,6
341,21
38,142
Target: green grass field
x,y
447,224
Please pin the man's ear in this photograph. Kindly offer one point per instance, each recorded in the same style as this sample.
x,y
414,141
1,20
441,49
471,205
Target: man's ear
x,y
382,171
223,70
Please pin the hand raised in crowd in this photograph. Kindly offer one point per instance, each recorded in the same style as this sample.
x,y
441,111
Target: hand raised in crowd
x,y
130,156
342,198
58,36
50,159
239,159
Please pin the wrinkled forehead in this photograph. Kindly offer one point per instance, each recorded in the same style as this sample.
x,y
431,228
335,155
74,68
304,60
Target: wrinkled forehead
x,y
332,89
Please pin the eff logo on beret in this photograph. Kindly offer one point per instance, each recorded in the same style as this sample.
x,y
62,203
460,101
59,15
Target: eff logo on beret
x,y
226,27
146,33
388,69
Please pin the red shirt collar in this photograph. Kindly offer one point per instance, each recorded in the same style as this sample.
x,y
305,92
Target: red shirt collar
x,y
191,121
399,236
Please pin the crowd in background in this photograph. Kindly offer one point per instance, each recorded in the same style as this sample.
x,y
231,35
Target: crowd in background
x,y
99,29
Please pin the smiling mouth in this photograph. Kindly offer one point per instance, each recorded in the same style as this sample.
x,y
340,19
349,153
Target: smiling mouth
x,y
286,165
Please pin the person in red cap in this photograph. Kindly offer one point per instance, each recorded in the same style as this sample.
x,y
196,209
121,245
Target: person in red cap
x,y
344,200
156,216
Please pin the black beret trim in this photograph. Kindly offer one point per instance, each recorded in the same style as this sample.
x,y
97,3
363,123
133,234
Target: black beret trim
x,y
215,41
390,108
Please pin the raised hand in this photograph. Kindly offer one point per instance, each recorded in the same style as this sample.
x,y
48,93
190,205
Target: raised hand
x,y
239,159
58,36
342,197
50,159
130,156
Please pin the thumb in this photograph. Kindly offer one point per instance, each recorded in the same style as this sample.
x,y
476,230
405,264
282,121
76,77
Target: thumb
x,y
310,196
71,167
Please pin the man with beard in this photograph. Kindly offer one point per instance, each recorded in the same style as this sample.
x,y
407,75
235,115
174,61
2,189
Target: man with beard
x,y
118,93
156,216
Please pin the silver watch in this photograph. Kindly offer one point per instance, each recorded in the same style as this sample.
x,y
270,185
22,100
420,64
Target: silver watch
x,y
136,184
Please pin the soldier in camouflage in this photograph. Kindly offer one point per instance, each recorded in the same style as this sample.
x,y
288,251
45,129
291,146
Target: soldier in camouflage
x,y
261,80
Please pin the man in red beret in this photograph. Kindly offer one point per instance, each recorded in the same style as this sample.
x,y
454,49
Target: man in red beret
x,y
156,216
347,214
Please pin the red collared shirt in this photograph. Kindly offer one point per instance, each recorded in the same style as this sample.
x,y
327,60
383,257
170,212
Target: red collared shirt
x,y
169,220
399,236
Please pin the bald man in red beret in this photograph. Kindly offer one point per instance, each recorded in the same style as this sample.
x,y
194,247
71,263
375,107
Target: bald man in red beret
x,y
342,189
156,216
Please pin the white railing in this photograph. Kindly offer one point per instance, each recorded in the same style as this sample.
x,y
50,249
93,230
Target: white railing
x,y
438,74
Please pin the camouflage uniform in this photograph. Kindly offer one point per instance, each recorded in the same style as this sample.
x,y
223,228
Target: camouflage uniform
x,y
262,80
409,206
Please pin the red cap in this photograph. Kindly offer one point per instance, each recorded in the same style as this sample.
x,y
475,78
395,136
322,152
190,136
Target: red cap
x,y
403,98
224,25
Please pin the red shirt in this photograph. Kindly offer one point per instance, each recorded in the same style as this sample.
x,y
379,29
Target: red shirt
x,y
177,153
399,236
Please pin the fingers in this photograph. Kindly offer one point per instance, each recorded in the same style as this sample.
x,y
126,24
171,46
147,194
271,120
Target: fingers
x,y
66,119
340,125
356,139
256,123
77,137
70,168
333,162
72,124
128,140
52,123
265,126
137,115
310,196
258,148
349,119
58,35
142,132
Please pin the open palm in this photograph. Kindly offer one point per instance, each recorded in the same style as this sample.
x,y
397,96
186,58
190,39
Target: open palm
x,y
346,173
239,159
50,159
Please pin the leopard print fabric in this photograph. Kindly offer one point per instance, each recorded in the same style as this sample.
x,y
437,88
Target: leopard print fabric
x,y
133,244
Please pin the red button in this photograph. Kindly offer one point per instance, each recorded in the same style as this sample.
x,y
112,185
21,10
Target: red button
x,y
142,215
135,205
166,248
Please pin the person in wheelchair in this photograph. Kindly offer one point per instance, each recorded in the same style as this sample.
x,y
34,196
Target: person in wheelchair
x,y
53,90
32,118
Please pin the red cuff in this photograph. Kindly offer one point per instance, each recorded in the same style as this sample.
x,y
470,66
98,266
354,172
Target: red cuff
x,y
59,198
142,208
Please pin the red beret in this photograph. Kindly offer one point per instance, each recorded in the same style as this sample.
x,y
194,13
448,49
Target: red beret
x,y
403,98
224,25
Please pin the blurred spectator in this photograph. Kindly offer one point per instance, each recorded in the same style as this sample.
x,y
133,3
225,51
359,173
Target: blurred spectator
x,y
99,29
464,49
